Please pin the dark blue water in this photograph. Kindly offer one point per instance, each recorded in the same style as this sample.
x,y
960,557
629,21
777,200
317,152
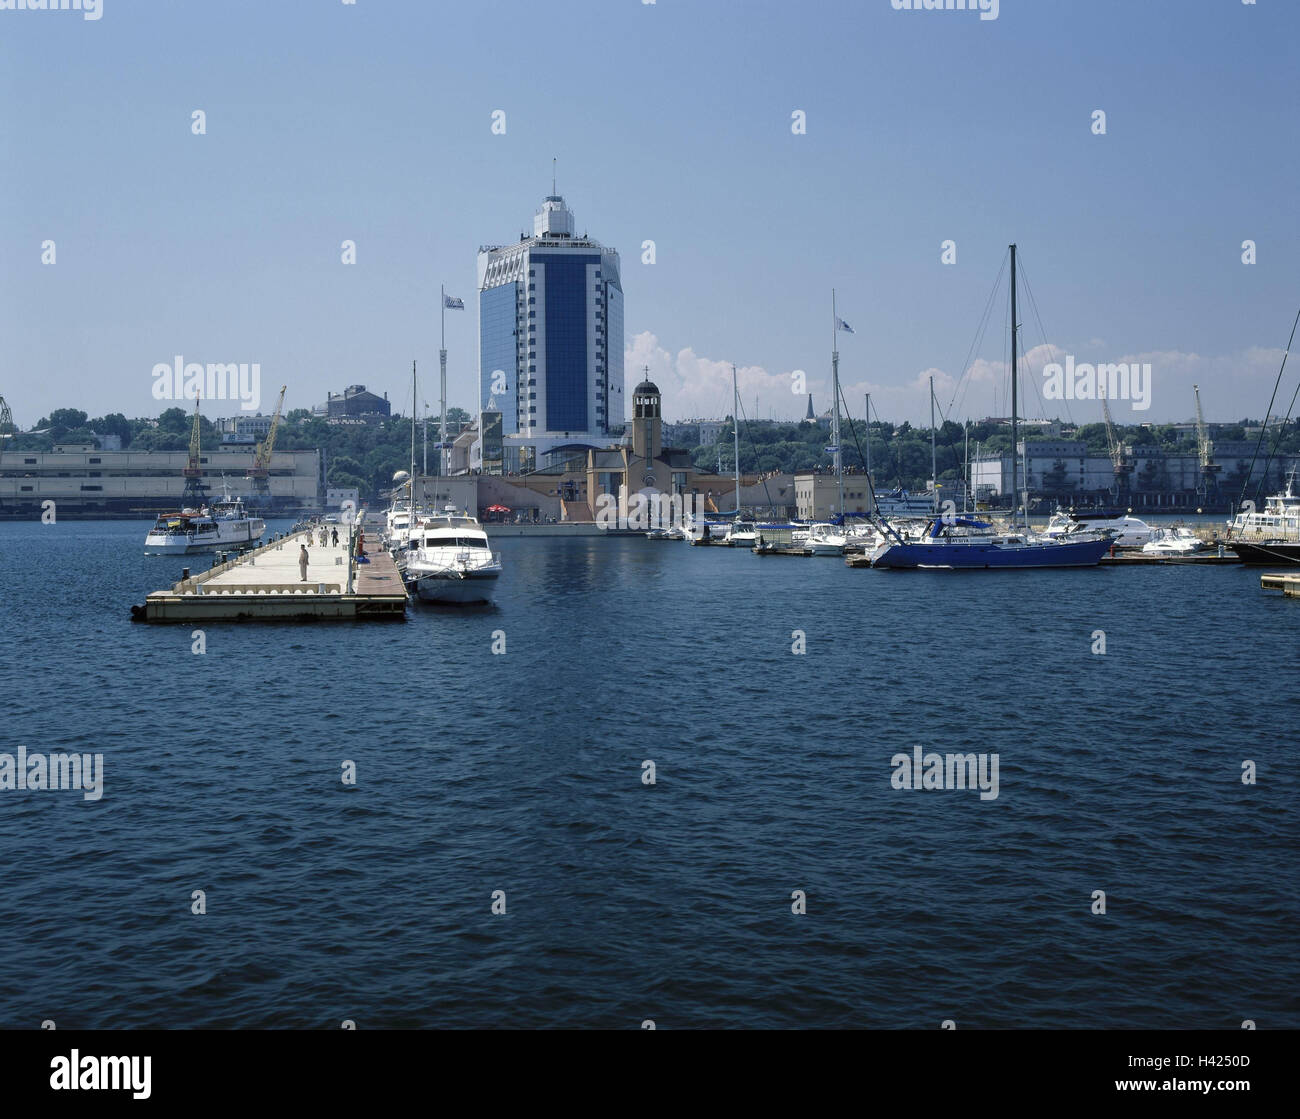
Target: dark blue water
x,y
477,772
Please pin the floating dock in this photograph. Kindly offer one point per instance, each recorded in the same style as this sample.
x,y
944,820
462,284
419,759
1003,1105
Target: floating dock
x,y
266,585
1289,585
1128,559
781,550
1202,559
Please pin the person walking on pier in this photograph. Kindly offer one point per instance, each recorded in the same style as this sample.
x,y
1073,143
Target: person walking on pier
x,y
302,561
334,537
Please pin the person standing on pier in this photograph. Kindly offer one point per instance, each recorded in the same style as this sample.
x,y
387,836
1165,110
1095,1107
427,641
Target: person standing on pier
x,y
302,561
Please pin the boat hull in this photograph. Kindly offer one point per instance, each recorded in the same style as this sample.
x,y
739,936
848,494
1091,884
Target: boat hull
x,y
1268,555
170,544
465,591
991,557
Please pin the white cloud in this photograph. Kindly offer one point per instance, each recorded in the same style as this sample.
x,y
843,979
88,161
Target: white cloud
x,y
1233,386
697,387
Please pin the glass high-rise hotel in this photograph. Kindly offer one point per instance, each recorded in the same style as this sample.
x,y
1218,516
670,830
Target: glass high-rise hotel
x,y
550,342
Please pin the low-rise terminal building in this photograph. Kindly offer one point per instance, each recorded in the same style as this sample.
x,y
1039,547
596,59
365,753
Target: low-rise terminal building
x,y
87,482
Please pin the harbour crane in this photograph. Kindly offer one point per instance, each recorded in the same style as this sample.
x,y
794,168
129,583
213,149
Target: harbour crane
x,y
1119,462
1209,477
195,487
6,423
260,471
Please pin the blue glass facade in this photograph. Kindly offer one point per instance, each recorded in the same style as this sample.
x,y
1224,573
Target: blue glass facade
x,y
497,350
613,357
569,301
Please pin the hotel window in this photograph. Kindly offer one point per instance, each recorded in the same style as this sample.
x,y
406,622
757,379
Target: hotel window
x,y
94,461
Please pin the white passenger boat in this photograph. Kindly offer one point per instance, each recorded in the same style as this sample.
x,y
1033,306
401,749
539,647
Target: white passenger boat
x,y
901,503
224,525
448,559
1278,521
1126,531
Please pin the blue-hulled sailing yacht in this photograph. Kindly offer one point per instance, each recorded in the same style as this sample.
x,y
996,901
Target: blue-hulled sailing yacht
x,y
965,543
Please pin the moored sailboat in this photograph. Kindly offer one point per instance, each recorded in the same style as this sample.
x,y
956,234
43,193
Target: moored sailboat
x,y
958,542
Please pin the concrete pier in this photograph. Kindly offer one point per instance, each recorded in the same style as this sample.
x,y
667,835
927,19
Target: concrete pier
x,y
1289,585
267,585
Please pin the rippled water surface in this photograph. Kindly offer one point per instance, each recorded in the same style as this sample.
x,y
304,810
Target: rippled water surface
x,y
522,773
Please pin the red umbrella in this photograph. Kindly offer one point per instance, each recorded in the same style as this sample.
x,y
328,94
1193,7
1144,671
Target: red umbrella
x,y
497,509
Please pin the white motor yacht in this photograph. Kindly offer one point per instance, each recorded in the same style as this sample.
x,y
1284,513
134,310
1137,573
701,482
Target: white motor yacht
x,y
1177,540
742,534
448,559
825,540
1127,531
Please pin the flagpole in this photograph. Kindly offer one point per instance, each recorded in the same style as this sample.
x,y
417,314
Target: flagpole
x,y
442,357
835,415
478,322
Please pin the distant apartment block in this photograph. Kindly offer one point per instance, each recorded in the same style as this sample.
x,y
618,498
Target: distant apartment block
x,y
355,401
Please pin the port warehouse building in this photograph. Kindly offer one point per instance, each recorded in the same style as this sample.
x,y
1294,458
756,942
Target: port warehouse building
x,y
81,479
1064,471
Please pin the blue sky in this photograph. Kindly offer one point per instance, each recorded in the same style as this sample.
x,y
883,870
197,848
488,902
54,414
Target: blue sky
x,y
671,122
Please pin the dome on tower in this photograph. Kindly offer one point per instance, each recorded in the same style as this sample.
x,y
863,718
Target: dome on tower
x,y
646,387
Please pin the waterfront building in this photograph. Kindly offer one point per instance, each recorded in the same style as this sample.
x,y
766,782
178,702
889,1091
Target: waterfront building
x,y
550,344
337,497
816,496
1065,472
86,481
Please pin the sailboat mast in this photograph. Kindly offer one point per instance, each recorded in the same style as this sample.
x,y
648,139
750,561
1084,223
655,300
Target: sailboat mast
x,y
835,414
965,484
1015,442
414,405
934,473
868,415
735,432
